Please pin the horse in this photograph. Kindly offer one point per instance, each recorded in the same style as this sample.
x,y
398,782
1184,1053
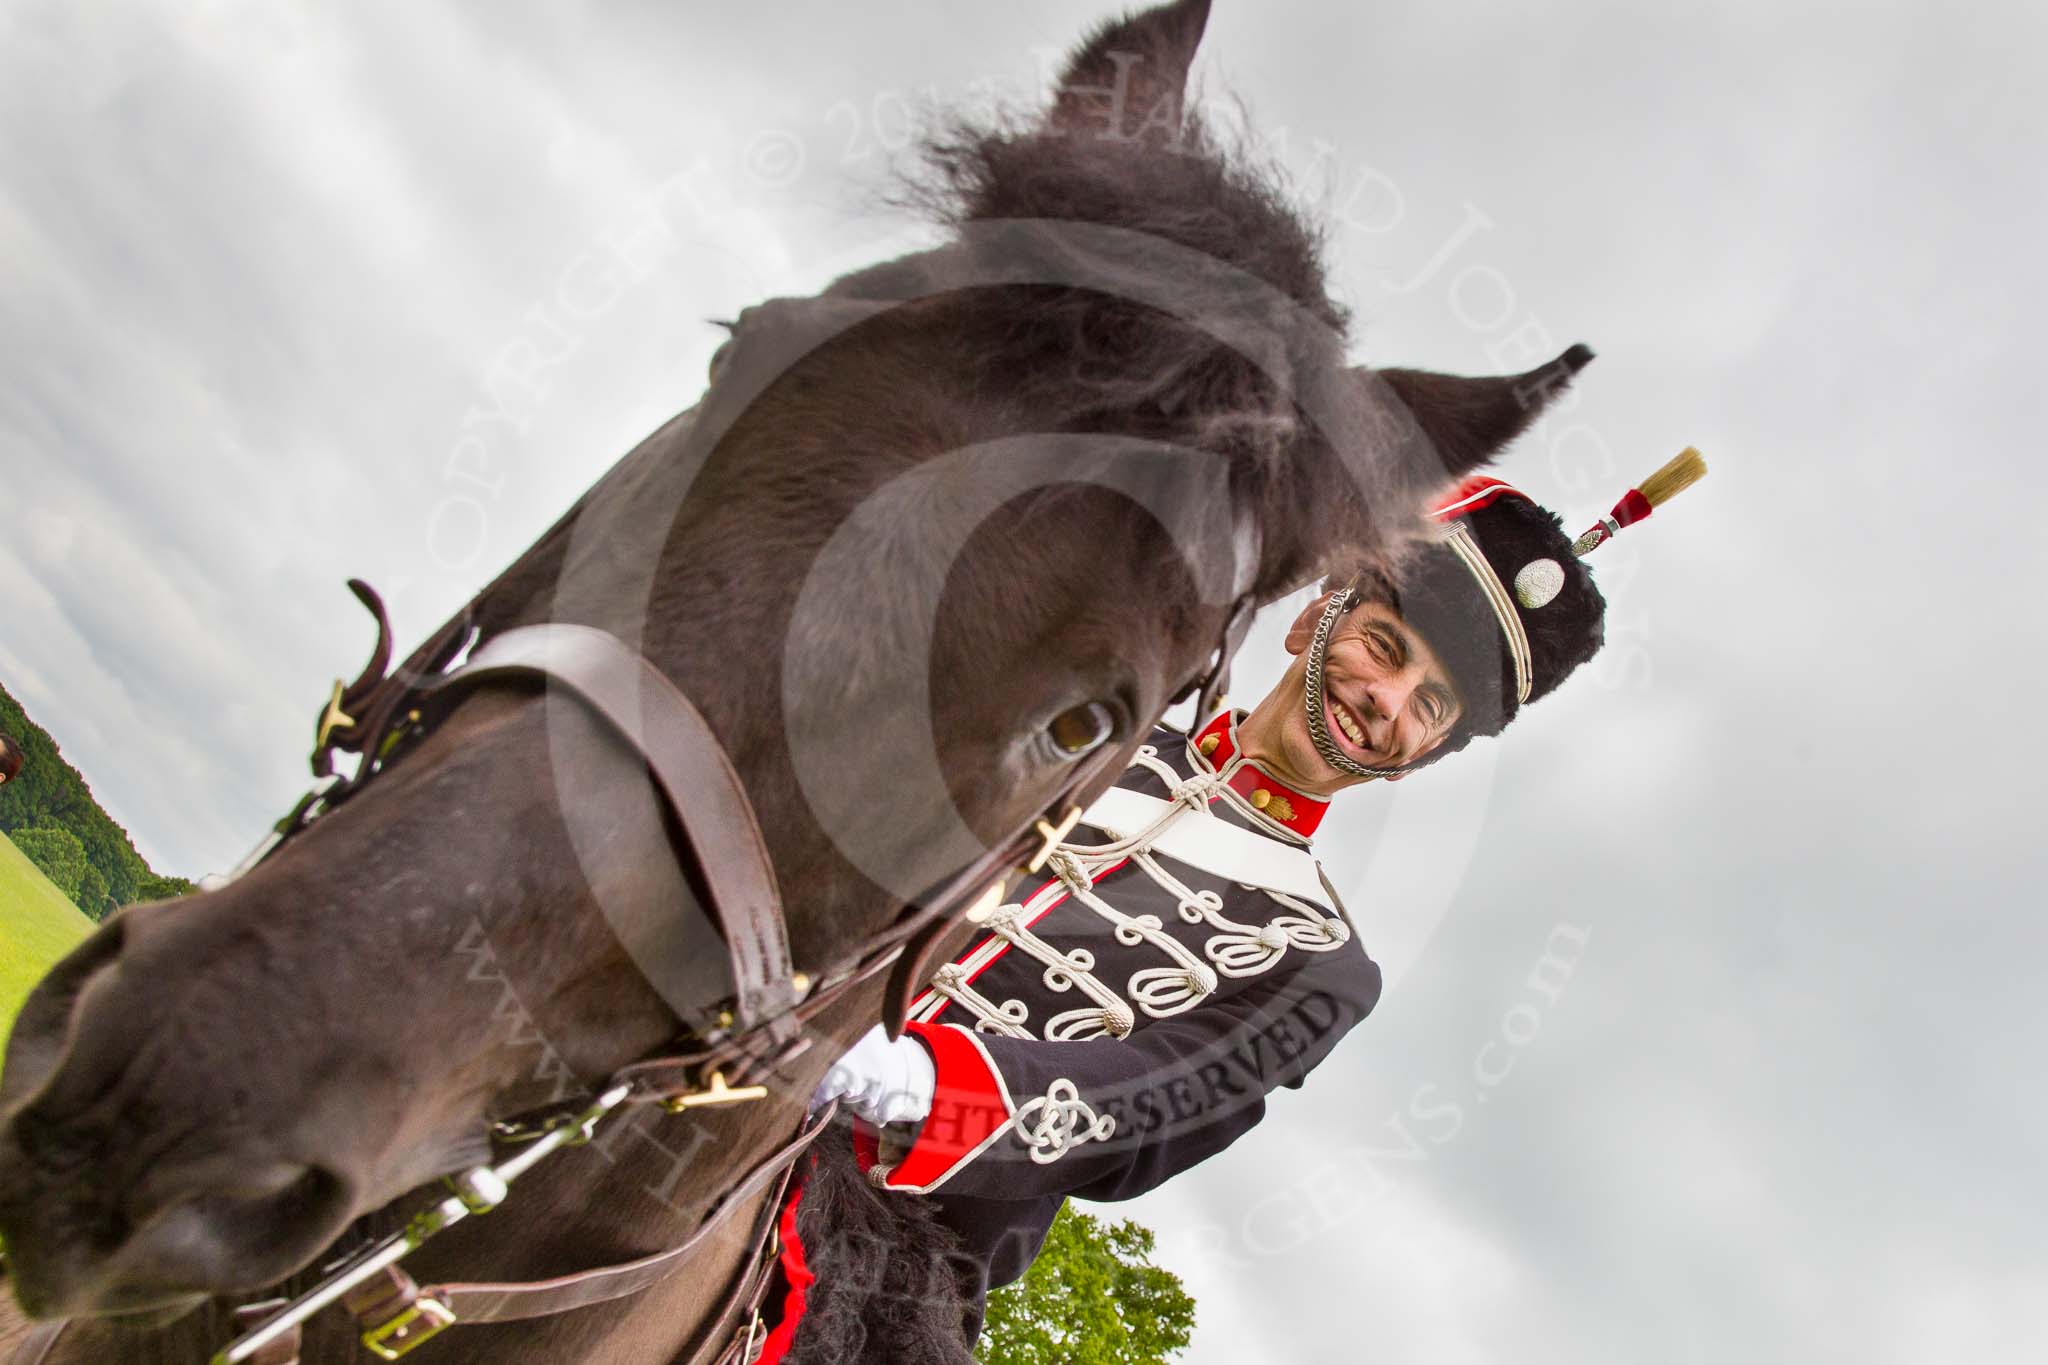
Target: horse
x,y
935,545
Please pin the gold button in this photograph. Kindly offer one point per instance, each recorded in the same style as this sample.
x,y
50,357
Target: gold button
x,y
1208,744
1262,798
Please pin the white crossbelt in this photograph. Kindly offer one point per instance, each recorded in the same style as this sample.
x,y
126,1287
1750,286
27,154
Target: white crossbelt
x,y
1215,846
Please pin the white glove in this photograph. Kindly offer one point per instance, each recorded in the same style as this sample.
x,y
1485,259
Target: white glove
x,y
881,1081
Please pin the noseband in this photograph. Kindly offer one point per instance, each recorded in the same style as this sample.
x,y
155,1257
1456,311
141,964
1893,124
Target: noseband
x,y
759,1028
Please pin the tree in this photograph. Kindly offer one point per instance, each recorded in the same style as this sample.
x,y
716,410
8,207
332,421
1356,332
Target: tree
x,y
48,793
91,895
158,887
58,855
1093,1297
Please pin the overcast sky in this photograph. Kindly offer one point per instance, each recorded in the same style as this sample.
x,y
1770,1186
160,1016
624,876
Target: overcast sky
x,y
266,266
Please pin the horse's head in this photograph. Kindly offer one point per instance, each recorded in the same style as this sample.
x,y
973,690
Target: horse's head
x,y
930,539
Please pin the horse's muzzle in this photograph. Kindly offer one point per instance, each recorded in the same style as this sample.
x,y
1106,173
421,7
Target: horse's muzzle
x,y
127,1181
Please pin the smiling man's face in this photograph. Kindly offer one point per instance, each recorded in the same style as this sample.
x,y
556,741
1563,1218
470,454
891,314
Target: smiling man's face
x,y
1389,698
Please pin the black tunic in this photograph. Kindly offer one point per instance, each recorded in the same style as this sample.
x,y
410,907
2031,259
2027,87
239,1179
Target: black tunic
x,y
1125,1016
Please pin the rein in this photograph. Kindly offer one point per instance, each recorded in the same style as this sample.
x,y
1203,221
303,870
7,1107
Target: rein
x,y
759,1027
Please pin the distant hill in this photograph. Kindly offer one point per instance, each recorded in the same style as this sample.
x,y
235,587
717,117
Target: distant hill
x,y
96,865
38,925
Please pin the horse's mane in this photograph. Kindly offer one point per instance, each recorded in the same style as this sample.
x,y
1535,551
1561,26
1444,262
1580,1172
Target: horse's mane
x,y
887,1292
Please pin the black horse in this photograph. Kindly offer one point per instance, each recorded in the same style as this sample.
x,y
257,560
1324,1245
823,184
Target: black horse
x,y
930,539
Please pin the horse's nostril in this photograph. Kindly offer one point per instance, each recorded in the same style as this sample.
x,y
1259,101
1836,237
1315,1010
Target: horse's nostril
x,y
54,1152
238,1238
226,1178
77,1259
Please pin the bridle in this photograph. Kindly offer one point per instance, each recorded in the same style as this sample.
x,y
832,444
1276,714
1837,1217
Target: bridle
x,y
759,1029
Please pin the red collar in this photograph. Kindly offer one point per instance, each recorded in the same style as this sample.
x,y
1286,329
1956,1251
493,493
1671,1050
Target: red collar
x,y
1215,745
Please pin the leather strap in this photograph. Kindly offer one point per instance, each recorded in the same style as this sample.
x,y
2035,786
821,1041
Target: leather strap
x,y
694,774
382,1299
370,704
737,1322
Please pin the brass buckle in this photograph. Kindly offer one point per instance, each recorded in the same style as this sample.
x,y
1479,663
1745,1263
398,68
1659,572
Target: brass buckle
x,y
1052,835
989,901
716,1093
424,1320
332,718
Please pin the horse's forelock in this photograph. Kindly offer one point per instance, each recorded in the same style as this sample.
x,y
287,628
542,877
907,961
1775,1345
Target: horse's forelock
x,y
1231,380
1223,201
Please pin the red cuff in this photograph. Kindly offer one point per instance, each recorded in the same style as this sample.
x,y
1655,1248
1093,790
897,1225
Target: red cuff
x,y
970,1107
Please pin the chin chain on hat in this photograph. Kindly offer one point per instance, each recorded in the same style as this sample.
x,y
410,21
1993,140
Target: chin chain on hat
x,y
1313,696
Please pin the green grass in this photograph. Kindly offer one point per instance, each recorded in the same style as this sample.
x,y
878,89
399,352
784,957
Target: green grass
x,y
38,925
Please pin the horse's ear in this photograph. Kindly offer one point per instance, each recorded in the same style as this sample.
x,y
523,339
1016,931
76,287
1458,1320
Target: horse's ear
x,y
1469,421
1128,81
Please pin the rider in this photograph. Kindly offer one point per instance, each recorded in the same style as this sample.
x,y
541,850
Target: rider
x,y
1125,1014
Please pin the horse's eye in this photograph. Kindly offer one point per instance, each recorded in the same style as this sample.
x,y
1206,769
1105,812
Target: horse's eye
x,y
1081,728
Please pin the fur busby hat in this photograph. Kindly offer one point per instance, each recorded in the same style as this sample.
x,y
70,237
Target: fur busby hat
x,y
1505,597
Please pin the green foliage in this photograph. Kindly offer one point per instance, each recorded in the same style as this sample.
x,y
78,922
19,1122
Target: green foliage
x,y
58,855
50,794
1093,1297
91,895
157,887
